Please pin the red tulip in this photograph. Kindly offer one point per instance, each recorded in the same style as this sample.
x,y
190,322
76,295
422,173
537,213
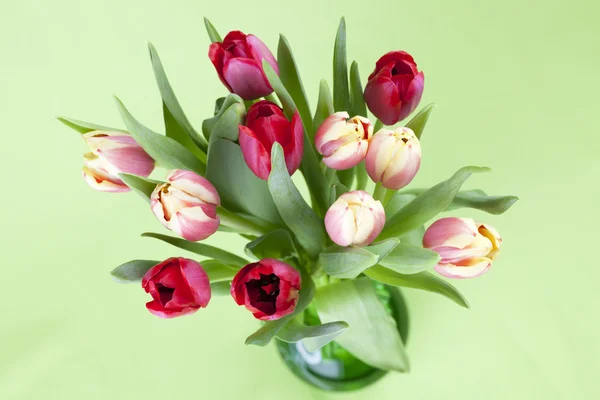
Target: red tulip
x,y
179,286
268,288
395,87
238,61
265,125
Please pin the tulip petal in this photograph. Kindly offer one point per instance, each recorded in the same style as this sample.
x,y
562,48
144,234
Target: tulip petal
x,y
295,149
473,268
403,167
452,232
332,128
193,224
260,51
379,154
197,280
246,78
216,55
347,156
413,95
195,185
256,156
340,223
157,309
383,99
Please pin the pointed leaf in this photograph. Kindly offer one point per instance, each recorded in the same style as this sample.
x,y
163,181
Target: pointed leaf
x,y
200,249
346,176
240,190
341,94
313,337
357,99
324,106
288,72
428,204
349,262
218,272
267,332
277,244
212,31
222,288
142,186
373,335
85,127
223,106
479,200
410,259
177,125
297,214
418,122
166,151
132,271
422,280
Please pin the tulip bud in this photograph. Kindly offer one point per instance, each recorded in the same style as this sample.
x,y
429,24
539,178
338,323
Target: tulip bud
x,y
466,248
97,176
355,219
343,141
179,286
187,205
394,157
268,288
266,124
394,88
119,152
238,61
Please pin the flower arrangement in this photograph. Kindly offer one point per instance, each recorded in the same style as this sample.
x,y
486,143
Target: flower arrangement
x,y
321,272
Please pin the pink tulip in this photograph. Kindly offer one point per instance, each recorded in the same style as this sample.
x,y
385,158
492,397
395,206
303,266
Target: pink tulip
x,y
266,124
187,205
355,219
394,157
238,61
119,152
466,248
343,141
395,87
95,173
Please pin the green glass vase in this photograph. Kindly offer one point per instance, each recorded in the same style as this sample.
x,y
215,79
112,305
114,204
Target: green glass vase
x,y
334,369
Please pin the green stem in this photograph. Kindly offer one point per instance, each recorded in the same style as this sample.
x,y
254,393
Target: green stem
x,y
378,126
388,196
271,97
379,192
361,176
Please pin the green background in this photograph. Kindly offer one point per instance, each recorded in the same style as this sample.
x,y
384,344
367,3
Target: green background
x,y
516,85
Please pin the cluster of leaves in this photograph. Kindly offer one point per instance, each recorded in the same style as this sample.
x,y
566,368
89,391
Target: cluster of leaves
x,y
280,223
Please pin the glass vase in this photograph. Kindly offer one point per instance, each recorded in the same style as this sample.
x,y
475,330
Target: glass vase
x,y
334,369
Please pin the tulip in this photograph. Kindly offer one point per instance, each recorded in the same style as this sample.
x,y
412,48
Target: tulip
x,y
268,288
119,152
394,88
343,141
238,61
394,157
97,176
266,124
187,205
355,218
178,286
466,248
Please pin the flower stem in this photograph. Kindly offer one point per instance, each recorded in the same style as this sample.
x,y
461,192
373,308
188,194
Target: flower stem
x,y
378,126
379,192
235,221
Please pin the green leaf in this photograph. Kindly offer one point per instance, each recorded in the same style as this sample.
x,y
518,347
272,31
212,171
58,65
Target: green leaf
x,y
313,337
373,335
222,288
209,124
349,262
418,122
218,272
422,280
397,202
347,176
357,100
242,223
240,190
317,184
218,105
132,271
479,200
336,191
201,249
410,259
267,332
414,237
212,31
428,204
166,151
85,127
324,106
288,72
298,216
177,126
277,244
227,126
341,94
142,186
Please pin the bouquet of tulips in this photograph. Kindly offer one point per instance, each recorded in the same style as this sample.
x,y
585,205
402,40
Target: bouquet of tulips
x,y
320,270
